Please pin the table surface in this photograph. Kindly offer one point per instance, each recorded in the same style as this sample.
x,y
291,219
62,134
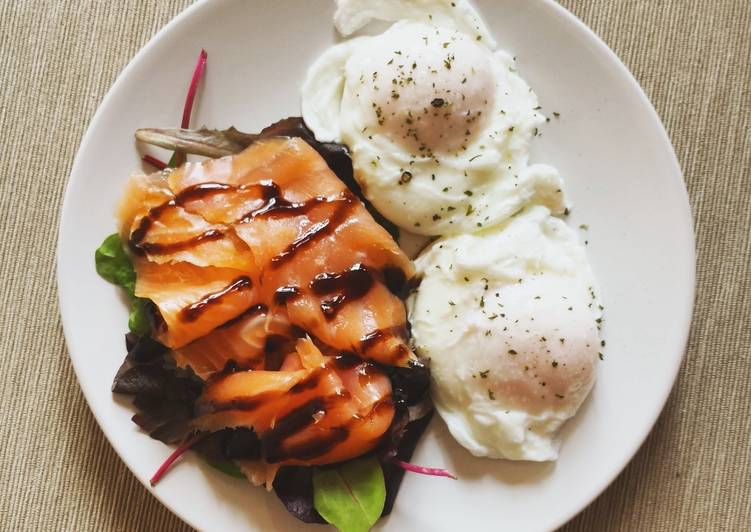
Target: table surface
x,y
57,471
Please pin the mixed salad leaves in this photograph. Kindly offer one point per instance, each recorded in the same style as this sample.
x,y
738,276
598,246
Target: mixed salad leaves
x,y
351,495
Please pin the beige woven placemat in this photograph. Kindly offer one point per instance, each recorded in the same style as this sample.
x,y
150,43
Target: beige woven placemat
x,y
57,59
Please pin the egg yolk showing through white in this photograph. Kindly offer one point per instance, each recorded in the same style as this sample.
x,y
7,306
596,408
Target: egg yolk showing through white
x,y
509,319
438,126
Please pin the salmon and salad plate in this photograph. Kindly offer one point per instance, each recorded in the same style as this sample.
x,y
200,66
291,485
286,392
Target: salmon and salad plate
x,y
279,330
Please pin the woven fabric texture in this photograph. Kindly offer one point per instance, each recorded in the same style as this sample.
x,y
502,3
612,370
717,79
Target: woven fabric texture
x,y
59,57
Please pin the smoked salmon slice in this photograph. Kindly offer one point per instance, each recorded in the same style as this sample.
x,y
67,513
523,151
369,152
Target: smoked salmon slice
x,y
276,215
156,226
193,301
248,341
329,410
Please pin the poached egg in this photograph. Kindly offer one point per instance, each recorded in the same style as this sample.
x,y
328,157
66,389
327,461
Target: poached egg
x,y
509,319
438,124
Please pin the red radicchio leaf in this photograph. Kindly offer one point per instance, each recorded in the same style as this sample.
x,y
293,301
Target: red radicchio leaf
x,y
163,394
197,74
161,165
430,471
179,157
402,450
294,487
177,453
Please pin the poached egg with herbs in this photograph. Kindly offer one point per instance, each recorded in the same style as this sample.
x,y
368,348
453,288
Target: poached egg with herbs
x,y
509,319
438,124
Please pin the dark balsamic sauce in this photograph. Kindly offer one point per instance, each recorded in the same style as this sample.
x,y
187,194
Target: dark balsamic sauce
x,y
192,193
316,231
309,383
194,311
372,339
350,285
156,248
246,404
347,360
395,280
252,311
275,349
298,419
320,445
274,205
285,294
317,446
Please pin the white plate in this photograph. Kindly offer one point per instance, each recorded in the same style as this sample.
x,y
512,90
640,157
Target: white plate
x,y
624,181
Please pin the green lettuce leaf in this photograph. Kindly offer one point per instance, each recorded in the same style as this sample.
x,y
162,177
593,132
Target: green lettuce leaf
x,y
139,320
228,467
350,496
114,265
